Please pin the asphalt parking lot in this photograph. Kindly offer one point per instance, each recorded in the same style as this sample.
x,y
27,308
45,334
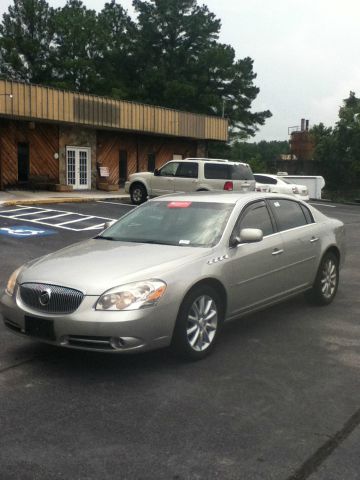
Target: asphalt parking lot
x,y
278,399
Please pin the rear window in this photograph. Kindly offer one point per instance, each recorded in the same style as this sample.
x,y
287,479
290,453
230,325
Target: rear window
x,y
264,179
227,172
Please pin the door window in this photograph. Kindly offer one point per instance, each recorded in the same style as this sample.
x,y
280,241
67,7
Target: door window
x,y
78,165
216,171
288,213
71,167
169,170
83,167
187,170
256,216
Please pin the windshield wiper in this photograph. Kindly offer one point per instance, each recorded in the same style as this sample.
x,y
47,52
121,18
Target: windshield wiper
x,y
101,237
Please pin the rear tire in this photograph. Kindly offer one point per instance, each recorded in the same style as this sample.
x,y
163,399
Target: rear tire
x,y
138,194
198,323
327,280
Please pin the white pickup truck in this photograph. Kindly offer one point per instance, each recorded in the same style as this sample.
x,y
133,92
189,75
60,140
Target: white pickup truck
x,y
190,175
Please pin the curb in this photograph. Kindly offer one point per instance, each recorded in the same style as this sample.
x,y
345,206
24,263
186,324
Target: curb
x,y
42,201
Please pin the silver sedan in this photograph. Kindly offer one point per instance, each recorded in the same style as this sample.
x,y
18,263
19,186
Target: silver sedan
x,y
170,272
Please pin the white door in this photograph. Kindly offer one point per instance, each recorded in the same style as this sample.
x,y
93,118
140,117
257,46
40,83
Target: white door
x,y
78,167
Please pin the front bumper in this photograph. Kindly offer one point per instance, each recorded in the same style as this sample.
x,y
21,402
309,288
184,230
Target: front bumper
x,y
90,329
127,187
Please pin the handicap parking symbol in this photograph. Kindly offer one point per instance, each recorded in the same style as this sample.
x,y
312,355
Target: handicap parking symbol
x,y
25,231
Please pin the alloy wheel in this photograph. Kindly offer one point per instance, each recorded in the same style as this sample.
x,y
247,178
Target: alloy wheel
x,y
202,323
328,278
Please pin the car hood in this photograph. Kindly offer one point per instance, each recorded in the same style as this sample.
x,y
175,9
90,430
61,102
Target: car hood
x,y
94,266
141,174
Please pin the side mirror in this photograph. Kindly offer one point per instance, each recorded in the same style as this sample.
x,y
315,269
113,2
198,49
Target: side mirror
x,y
156,172
251,235
108,224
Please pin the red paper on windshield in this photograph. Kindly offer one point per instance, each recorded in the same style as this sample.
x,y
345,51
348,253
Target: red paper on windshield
x,y
178,204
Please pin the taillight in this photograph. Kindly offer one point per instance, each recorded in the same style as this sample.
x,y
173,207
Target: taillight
x,y
228,186
295,189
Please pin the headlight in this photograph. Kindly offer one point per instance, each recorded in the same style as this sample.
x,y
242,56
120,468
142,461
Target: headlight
x,y
10,287
132,296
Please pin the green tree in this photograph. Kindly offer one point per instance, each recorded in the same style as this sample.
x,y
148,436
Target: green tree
x,y
182,65
76,47
116,42
348,133
338,149
27,41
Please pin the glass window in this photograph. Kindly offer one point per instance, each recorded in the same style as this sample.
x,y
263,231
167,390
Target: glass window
x,y
289,214
225,171
265,179
187,170
240,172
169,170
216,171
257,216
307,213
181,223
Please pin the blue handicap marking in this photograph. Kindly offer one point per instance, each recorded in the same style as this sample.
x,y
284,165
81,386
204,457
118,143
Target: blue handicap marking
x,y
23,231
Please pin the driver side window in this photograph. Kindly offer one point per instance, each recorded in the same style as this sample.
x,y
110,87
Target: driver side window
x,y
169,170
256,216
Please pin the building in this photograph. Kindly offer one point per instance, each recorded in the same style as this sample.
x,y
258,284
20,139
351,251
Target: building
x,y
66,140
301,142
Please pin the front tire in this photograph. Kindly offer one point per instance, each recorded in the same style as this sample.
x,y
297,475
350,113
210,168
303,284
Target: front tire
x,y
198,323
138,194
327,280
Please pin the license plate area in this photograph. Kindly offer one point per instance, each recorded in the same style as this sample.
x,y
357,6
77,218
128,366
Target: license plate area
x,y
40,328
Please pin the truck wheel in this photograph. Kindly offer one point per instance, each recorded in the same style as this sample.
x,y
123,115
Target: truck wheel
x,y
138,194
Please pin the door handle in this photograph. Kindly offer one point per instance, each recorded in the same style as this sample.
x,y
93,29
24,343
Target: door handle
x,y
277,251
314,239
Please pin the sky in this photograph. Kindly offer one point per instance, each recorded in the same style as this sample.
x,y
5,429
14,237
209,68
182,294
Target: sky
x,y
305,54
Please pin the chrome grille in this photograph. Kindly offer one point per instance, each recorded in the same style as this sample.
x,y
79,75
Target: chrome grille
x,y
50,298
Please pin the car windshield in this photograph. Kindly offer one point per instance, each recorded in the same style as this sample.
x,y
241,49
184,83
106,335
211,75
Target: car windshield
x,y
181,223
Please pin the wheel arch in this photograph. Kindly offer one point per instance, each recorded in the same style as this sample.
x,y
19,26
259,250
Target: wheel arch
x,y
216,285
330,249
334,250
138,182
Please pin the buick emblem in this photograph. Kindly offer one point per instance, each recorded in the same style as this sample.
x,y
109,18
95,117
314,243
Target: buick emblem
x,y
44,297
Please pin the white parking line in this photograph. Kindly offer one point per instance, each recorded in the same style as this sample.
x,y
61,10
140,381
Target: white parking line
x,y
15,209
24,212
74,221
54,216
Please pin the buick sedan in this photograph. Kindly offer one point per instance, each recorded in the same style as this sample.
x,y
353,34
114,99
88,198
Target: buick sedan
x,y
170,272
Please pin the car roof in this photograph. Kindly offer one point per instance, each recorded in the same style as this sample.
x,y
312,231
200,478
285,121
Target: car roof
x,y
221,197
210,160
